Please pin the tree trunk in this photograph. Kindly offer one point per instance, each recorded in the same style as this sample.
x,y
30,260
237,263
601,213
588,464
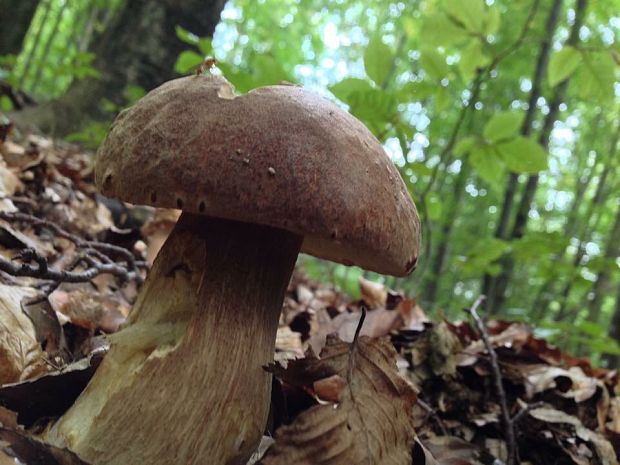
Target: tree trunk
x,y
497,297
502,232
593,216
35,42
14,23
432,280
46,49
613,361
139,47
603,277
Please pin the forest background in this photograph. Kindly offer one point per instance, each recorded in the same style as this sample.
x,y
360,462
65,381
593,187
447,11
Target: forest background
x,y
502,117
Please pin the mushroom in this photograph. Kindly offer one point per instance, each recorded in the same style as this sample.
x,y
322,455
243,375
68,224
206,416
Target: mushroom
x,y
259,177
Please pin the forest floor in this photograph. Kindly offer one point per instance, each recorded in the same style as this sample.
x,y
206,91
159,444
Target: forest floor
x,y
409,389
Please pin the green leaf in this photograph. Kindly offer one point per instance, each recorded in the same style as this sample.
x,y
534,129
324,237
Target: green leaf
x,y
133,93
373,105
487,163
562,64
205,46
414,91
597,77
482,255
267,71
469,13
343,89
523,155
420,168
472,58
187,61
434,63
185,36
492,20
503,125
438,30
463,146
378,59
538,245
434,206
5,103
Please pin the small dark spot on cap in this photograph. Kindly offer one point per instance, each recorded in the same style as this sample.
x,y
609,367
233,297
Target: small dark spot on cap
x,y
153,196
333,235
179,203
202,207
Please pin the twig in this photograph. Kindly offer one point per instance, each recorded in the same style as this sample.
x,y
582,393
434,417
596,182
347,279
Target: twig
x,y
358,330
527,409
94,246
508,421
42,271
433,414
499,386
101,250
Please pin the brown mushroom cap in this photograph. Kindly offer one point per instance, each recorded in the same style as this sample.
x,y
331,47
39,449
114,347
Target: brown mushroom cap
x,y
279,156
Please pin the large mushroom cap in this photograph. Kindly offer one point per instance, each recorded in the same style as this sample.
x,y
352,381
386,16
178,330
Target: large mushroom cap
x,y
278,156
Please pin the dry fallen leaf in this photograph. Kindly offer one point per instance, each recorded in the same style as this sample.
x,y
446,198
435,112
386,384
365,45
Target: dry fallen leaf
x,y
21,356
371,424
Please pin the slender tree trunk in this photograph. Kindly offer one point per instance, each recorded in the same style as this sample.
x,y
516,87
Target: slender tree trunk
x,y
432,280
46,49
497,298
603,277
503,226
35,42
139,47
592,216
613,361
15,19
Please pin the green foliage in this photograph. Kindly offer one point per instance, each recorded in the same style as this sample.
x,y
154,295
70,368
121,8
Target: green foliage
x,y
523,155
378,59
563,63
501,126
408,71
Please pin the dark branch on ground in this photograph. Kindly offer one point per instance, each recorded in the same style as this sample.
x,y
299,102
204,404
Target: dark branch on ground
x,y
509,422
95,257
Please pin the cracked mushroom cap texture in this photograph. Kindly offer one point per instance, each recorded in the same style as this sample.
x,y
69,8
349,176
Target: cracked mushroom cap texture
x,y
279,156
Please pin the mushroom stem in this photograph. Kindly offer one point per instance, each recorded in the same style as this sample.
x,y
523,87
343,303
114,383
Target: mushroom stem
x,y
184,382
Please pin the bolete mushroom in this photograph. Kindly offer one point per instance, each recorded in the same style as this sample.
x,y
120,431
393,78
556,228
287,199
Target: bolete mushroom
x,y
258,177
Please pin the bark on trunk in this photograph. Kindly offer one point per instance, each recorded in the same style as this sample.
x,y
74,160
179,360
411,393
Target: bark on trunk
x,y
497,297
432,281
502,231
613,361
139,47
600,287
184,382
14,23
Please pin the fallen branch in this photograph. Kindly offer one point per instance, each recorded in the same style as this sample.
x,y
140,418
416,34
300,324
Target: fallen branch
x,y
41,269
508,421
101,250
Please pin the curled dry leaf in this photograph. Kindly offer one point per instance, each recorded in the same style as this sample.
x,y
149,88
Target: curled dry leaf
x,y
374,294
21,355
371,424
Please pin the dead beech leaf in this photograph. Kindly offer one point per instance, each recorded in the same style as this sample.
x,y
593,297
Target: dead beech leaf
x,y
374,294
371,424
449,450
602,446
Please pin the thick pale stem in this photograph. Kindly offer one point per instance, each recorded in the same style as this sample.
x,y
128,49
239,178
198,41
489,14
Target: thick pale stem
x,y
184,383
